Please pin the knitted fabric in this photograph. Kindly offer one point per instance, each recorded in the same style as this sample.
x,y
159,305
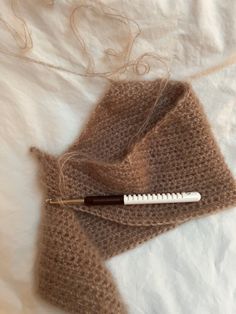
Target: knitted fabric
x,y
121,152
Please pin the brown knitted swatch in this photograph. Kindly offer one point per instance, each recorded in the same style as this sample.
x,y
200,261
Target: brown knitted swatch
x,y
117,153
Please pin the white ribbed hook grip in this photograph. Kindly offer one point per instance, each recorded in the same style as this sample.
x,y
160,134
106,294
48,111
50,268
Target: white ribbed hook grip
x,y
185,197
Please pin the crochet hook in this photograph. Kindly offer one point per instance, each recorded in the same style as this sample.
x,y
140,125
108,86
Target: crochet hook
x,y
135,199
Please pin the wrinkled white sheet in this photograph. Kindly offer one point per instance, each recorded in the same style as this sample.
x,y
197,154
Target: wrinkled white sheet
x,y
188,270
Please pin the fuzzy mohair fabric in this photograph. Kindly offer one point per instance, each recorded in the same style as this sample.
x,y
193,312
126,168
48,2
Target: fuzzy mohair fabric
x,y
128,146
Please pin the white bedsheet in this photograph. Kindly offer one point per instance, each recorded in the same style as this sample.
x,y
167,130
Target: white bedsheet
x,y
188,270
